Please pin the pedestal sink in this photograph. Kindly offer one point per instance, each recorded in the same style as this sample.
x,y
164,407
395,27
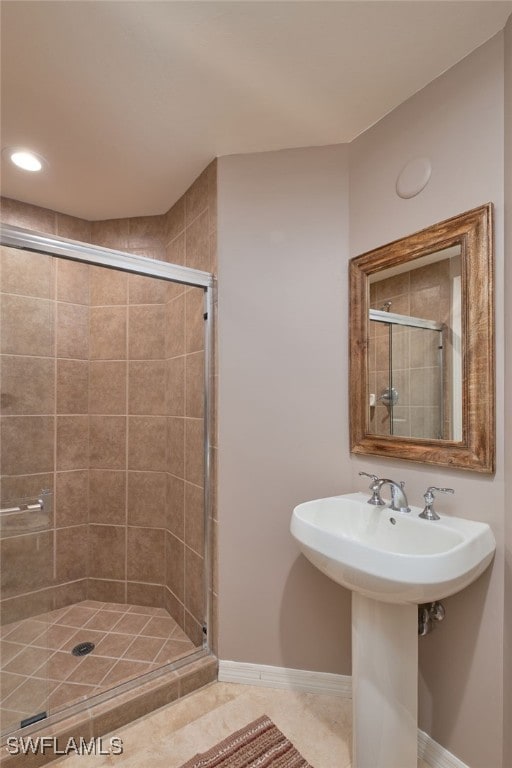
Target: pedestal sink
x,y
391,561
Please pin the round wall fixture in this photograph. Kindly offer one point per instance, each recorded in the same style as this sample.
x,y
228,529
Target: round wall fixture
x,y
413,177
25,159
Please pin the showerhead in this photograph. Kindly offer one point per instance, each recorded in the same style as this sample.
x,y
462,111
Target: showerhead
x,y
385,307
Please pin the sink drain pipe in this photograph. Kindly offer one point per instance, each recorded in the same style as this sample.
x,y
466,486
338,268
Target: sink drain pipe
x,y
429,614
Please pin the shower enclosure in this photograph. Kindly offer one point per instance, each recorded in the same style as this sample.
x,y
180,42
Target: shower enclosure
x,y
104,460
407,375
414,348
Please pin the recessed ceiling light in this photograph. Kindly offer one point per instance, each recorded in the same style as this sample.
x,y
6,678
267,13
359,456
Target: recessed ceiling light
x,y
25,159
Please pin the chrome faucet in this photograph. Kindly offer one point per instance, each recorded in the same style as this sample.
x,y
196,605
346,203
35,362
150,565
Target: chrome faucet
x,y
398,502
375,498
429,512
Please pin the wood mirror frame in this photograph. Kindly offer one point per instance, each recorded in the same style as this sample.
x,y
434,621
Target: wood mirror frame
x,y
473,231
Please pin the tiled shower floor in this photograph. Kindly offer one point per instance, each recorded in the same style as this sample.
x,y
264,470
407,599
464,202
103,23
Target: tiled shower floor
x,y
39,672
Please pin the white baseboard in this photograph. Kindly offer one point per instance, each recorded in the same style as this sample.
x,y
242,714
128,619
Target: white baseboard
x,y
323,682
282,677
436,755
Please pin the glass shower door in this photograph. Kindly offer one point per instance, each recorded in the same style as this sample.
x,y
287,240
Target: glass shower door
x,y
26,490
426,389
26,544
407,378
103,409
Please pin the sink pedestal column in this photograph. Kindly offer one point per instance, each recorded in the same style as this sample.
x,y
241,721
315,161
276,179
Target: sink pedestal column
x,y
384,683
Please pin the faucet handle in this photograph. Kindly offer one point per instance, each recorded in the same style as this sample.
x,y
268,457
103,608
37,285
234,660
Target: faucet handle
x,y
440,490
374,488
429,512
373,477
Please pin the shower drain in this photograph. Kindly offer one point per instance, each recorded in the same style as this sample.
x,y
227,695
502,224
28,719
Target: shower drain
x,y
82,649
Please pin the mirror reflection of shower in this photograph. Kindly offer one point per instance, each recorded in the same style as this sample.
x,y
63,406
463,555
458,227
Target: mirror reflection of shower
x,y
414,352
389,396
430,394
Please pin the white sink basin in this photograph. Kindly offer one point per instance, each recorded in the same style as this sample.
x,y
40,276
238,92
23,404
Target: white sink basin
x,y
391,556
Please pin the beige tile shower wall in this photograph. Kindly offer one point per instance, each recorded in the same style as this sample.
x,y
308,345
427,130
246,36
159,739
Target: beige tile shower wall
x,y
44,306
185,534
28,419
164,473
107,407
128,424
191,229
19,214
136,495
147,439
72,420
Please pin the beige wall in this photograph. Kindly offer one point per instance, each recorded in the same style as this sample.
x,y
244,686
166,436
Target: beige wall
x,y
283,401
283,433
456,121
507,655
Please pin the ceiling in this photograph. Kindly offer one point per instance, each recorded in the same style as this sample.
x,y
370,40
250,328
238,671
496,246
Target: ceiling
x,y
128,101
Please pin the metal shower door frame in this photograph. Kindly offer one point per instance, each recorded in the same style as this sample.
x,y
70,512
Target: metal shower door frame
x,y
38,242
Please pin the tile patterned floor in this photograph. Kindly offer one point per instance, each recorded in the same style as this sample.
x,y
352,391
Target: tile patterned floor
x,y
319,725
39,672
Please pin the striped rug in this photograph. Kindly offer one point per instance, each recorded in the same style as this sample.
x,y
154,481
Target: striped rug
x,y
259,745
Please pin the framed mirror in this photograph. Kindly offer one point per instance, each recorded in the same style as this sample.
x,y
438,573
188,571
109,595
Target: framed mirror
x,y
422,346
